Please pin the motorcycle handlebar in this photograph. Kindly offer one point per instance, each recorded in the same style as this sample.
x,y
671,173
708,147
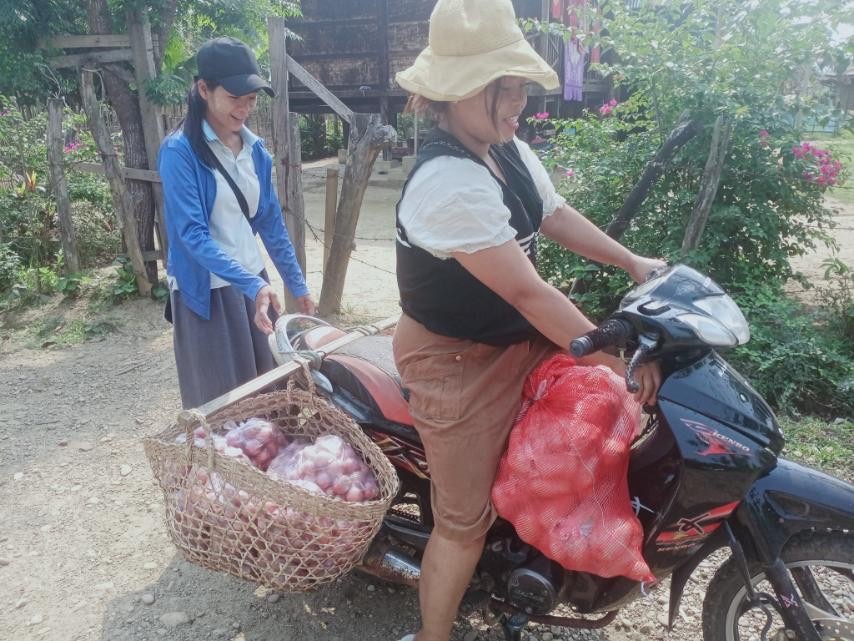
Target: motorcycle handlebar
x,y
612,332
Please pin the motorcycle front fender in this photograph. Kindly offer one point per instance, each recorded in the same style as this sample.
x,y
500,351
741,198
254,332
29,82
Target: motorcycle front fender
x,y
788,500
791,499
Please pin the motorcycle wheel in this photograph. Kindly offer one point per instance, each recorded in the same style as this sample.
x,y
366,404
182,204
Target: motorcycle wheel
x,y
822,567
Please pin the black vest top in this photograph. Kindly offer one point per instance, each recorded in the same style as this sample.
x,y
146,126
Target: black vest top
x,y
440,293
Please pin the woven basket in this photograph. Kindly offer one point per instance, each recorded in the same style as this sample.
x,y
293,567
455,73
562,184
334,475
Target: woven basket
x,y
225,514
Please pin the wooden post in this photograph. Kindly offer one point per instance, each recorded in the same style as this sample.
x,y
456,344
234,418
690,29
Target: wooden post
x,y
367,137
294,206
142,47
286,153
708,184
55,141
113,171
331,204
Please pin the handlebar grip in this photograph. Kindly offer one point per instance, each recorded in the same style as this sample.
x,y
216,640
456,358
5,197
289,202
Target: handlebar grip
x,y
612,332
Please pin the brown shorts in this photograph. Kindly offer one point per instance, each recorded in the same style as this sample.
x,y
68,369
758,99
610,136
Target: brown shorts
x,y
463,397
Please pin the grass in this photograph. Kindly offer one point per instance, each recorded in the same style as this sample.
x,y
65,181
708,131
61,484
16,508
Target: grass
x,y
827,446
57,331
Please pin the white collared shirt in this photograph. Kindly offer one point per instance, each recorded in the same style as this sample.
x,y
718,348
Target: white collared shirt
x,y
455,205
228,226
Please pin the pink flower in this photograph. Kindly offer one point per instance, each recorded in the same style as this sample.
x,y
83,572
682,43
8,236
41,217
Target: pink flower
x,y
764,133
541,115
612,102
798,152
570,173
605,110
72,146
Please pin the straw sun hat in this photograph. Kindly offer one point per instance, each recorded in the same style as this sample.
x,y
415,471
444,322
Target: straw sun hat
x,y
471,43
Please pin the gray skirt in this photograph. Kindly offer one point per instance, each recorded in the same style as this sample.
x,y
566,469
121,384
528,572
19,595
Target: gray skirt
x,y
215,356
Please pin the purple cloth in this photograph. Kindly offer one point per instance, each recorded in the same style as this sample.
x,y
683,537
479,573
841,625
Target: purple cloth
x,y
574,58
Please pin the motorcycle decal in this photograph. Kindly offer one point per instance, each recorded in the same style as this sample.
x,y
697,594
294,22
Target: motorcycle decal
x,y
637,506
688,531
402,454
789,600
716,443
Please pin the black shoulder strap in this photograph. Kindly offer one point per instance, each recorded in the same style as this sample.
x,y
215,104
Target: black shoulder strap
x,y
241,199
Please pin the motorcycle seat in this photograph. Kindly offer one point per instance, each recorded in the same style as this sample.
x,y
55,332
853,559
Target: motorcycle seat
x,y
365,368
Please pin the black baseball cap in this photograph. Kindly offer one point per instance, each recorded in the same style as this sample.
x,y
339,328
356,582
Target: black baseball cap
x,y
233,65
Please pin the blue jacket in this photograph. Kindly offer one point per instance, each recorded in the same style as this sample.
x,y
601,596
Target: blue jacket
x,y
189,190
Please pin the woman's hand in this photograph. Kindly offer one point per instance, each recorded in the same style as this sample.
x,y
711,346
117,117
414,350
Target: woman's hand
x,y
305,305
640,267
647,376
266,296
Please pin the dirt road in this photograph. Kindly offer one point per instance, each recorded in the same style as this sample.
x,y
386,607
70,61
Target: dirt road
x,y
84,555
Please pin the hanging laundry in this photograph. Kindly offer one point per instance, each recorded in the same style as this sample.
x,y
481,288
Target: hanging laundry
x,y
575,58
557,10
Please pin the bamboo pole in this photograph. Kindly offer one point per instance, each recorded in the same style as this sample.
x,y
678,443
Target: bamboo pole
x,y
55,142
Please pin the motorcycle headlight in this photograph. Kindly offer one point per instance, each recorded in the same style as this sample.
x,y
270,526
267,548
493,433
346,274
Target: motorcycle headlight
x,y
724,310
709,330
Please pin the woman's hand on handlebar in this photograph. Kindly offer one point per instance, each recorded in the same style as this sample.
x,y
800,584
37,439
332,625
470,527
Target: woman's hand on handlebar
x,y
647,376
265,297
640,268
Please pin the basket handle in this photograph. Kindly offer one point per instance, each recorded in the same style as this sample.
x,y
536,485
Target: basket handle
x,y
189,420
311,388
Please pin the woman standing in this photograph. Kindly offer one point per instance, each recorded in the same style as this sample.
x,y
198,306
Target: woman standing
x,y
218,192
477,318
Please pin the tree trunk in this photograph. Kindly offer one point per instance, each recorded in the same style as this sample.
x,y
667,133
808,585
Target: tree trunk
x,y
708,184
118,185
367,137
126,105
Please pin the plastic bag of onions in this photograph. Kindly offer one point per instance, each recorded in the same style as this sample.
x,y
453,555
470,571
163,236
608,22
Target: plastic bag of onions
x,y
329,464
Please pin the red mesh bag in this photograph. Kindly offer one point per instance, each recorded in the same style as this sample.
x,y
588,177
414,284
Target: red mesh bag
x,y
563,480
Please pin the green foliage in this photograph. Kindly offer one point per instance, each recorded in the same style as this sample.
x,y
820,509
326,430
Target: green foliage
x,y
124,284
24,72
30,254
10,264
70,285
197,22
757,64
320,137
795,362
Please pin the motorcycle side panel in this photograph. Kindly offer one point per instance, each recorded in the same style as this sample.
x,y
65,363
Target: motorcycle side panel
x,y
711,387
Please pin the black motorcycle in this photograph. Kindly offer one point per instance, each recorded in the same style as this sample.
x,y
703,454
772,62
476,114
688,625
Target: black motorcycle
x,y
705,474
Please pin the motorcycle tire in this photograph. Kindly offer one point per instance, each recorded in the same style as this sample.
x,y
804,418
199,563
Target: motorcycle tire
x,y
727,594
